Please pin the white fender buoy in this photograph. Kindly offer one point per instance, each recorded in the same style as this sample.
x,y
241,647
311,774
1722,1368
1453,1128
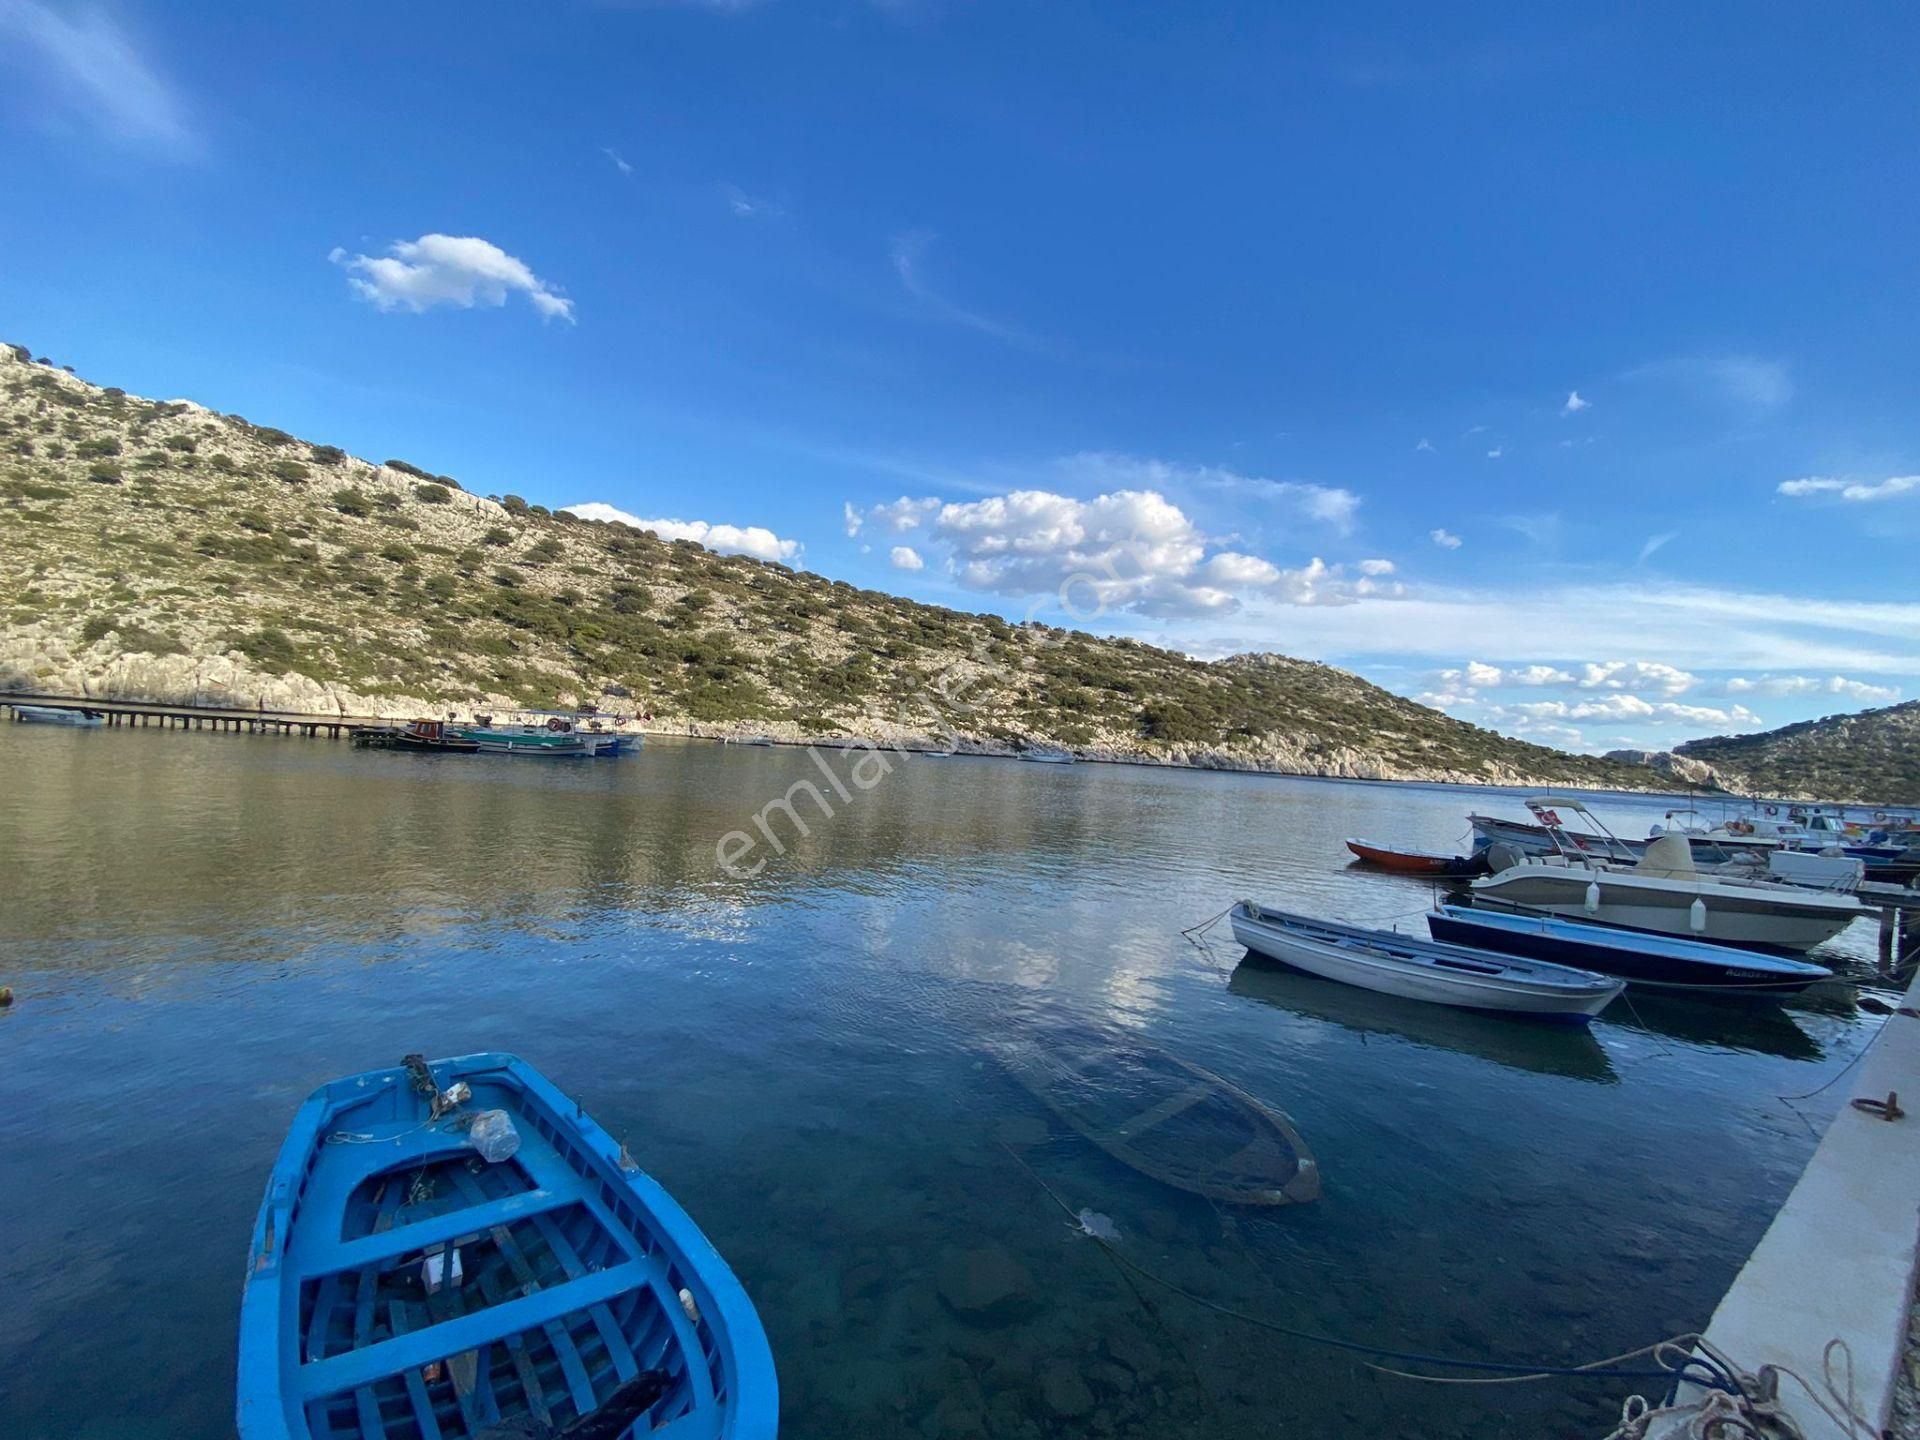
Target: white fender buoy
x,y
1697,917
1593,897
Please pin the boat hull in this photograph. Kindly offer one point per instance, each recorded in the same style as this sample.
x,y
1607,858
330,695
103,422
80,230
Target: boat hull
x,y
1158,1114
1421,970
70,716
538,744
1417,862
398,1283
1749,917
1660,962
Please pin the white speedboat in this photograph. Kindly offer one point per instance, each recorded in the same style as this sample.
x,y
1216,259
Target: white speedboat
x,y
1663,892
1046,757
1416,969
59,715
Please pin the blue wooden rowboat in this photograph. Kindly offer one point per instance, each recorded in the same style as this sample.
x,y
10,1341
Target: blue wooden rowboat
x,y
403,1286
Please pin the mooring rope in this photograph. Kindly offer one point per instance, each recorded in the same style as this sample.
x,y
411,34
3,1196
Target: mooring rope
x,y
1511,1372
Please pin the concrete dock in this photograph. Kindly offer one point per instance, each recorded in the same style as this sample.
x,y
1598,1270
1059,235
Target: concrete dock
x,y
1838,1262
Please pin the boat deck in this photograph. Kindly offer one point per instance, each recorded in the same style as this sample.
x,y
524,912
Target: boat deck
x,y
561,1298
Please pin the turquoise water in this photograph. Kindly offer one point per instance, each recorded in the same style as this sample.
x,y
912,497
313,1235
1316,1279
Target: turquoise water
x,y
200,928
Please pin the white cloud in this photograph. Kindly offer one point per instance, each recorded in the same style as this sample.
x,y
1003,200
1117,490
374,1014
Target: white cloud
x,y
1330,505
1793,685
750,207
1445,539
86,67
907,253
852,516
1425,445
1746,381
1230,569
1656,543
447,270
1636,675
618,162
754,540
1538,675
905,557
1853,490
1629,709
1494,454
896,517
1575,404
1127,549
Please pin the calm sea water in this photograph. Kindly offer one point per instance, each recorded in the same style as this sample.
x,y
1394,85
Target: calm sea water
x,y
201,928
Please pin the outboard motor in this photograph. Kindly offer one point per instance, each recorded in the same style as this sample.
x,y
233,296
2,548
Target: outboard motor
x,y
1504,855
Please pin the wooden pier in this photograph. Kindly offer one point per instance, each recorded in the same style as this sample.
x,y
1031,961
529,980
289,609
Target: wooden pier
x,y
132,713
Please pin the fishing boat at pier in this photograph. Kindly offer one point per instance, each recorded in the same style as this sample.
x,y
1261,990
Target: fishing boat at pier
x,y
433,735
457,1249
1660,891
1417,862
555,737
75,716
1416,969
1660,962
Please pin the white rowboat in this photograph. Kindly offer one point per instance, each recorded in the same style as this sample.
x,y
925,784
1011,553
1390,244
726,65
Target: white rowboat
x,y
1417,969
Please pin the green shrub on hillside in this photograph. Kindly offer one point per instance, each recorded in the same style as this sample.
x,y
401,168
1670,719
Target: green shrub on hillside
x,y
99,446
291,471
105,472
432,495
353,501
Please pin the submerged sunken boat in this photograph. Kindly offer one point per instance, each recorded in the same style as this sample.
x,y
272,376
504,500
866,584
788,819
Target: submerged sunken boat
x,y
1160,1115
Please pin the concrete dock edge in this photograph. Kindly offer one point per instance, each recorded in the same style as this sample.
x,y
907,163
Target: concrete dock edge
x,y
1838,1261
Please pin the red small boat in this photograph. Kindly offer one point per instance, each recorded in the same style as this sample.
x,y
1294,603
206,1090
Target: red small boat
x,y
1417,862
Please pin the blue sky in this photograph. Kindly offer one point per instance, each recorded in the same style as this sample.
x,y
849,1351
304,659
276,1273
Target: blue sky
x,y
1559,370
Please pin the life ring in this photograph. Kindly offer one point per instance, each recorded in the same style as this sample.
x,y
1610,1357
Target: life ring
x,y
1773,809
556,725
1879,817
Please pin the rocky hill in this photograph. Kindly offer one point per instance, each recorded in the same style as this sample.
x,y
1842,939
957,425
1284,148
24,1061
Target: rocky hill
x,y
163,551
1872,758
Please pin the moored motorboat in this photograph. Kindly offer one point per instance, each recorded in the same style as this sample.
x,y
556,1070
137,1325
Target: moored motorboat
x,y
1047,757
1417,969
456,1249
77,716
1662,962
434,735
1662,892
557,736
1417,862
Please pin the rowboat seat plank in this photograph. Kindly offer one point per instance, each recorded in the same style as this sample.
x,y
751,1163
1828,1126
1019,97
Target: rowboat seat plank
x,y
1157,1115
359,1367
424,1234
572,1266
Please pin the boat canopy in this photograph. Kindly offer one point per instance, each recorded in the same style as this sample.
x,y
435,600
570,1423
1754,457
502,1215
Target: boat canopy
x,y
1556,802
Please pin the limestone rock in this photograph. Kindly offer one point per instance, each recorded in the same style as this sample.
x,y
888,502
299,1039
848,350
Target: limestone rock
x,y
987,1286
1065,1393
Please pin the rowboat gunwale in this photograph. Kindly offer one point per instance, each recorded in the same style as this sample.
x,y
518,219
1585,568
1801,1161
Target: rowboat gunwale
x,y
1031,1063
